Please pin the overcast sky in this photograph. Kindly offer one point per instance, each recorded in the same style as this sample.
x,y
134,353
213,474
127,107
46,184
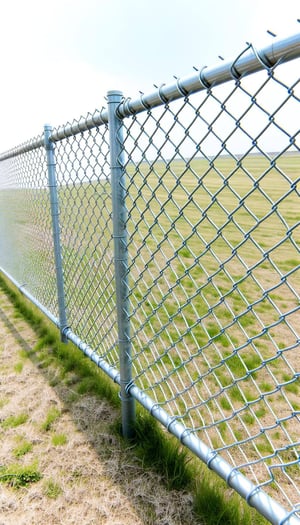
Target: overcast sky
x,y
59,58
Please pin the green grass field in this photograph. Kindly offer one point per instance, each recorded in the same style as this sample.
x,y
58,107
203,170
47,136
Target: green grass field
x,y
213,253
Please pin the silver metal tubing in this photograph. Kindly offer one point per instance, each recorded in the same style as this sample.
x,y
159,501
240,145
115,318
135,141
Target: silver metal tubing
x,y
96,119
121,259
56,231
23,148
109,370
254,495
248,62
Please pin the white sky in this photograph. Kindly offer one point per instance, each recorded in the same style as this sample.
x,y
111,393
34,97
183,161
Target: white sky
x,y
59,58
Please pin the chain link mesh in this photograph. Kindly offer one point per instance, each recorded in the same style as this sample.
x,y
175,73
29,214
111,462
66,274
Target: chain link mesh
x,y
213,221
212,200
26,242
83,175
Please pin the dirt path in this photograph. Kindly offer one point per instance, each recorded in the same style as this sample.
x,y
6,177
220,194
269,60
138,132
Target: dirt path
x,y
86,474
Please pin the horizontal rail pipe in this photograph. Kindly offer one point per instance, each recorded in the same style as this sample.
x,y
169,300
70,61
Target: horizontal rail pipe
x,y
249,61
108,369
83,124
30,297
30,145
253,494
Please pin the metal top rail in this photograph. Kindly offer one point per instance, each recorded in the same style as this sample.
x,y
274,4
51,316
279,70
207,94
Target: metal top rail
x,y
249,61
30,145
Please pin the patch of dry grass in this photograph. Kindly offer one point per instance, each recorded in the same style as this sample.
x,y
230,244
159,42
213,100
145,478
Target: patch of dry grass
x,y
91,473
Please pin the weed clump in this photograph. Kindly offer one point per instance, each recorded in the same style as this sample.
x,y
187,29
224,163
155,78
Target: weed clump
x,y
51,417
52,489
14,421
19,476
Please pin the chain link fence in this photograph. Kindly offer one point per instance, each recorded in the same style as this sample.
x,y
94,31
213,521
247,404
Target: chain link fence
x,y
26,240
169,253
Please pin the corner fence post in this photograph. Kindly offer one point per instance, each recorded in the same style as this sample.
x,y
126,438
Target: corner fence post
x,y
121,259
51,166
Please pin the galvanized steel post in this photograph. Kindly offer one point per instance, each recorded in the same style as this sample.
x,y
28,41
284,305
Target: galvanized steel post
x,y
121,259
56,231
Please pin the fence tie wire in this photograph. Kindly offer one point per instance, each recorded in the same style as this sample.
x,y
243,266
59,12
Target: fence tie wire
x,y
162,97
203,80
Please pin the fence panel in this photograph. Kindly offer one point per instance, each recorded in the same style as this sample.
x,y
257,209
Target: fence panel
x,y
25,226
83,175
187,296
213,220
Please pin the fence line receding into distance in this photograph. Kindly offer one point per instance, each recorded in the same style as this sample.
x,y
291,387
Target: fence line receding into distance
x,y
161,235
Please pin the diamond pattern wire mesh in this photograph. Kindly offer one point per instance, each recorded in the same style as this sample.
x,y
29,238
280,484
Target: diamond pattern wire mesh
x,y
83,175
25,226
213,221
213,249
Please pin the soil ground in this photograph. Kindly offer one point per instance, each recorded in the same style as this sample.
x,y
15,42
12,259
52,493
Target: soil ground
x,y
87,474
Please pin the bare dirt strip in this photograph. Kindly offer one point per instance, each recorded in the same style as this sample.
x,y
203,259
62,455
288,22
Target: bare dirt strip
x,y
87,474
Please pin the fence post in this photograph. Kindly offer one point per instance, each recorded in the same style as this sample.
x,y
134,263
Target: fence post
x,y
51,166
121,259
